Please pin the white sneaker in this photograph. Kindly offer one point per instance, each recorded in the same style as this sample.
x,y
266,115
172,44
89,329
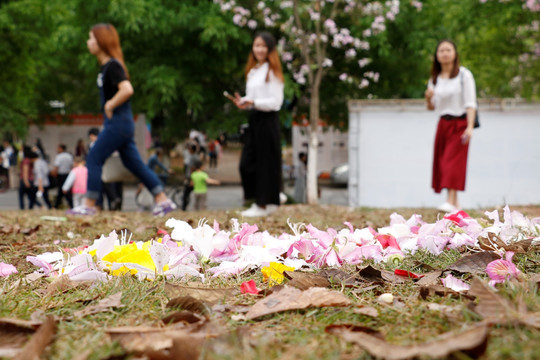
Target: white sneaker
x,y
447,207
255,212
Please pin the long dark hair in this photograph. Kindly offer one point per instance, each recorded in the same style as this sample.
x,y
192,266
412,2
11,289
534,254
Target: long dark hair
x,y
274,64
436,67
109,41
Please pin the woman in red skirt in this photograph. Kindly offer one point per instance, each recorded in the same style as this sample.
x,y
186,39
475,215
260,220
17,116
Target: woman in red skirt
x,y
451,93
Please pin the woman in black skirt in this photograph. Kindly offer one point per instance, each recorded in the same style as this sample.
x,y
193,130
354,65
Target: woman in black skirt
x,y
260,164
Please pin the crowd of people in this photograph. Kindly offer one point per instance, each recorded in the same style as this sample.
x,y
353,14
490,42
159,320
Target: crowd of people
x,y
451,93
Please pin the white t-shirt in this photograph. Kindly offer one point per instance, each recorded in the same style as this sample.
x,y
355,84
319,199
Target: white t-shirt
x,y
64,162
453,96
266,96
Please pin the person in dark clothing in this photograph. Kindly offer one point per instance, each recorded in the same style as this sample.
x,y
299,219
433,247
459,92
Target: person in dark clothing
x,y
260,163
118,126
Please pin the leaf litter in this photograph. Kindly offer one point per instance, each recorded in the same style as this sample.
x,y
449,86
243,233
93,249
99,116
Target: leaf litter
x,y
342,291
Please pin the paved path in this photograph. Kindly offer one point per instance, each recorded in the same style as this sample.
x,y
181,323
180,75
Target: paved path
x,y
219,198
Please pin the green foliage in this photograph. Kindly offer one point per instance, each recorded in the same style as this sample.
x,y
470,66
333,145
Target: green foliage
x,y
182,55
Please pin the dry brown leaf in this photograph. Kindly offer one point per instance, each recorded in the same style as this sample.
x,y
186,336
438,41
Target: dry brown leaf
x,y
491,306
189,303
519,247
367,310
473,340
439,290
210,295
39,341
474,263
64,284
304,281
182,316
338,276
14,334
430,278
113,301
496,309
393,278
290,298
159,343
369,273
230,308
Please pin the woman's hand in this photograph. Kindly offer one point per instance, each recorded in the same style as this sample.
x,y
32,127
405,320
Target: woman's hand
x,y
466,136
428,94
242,104
108,109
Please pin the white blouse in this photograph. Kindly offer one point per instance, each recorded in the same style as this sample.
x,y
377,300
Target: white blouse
x,y
266,96
454,96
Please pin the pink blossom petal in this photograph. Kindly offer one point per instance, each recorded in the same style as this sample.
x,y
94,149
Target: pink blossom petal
x,y
455,284
408,274
388,240
7,269
249,287
501,270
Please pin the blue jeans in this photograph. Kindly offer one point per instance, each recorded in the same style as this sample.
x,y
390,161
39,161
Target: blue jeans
x,y
117,134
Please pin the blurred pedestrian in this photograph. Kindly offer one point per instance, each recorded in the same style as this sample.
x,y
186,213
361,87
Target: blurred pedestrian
x,y
192,159
155,163
199,181
300,179
26,186
260,163
451,93
41,181
118,127
80,149
213,153
76,181
63,162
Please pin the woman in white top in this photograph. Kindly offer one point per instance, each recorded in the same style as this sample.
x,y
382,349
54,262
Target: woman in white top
x,y
260,164
451,93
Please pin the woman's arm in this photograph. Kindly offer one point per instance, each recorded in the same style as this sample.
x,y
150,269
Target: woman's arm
x,y
429,95
125,91
26,175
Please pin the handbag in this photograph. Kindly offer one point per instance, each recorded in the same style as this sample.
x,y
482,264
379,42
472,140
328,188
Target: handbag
x,y
114,170
476,119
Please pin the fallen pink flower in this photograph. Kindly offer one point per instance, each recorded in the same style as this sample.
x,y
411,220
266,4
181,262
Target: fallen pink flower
x,y
457,217
7,269
408,274
387,240
501,270
249,287
455,284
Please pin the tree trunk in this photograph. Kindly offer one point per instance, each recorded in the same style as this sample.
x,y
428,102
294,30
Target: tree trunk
x,y
313,148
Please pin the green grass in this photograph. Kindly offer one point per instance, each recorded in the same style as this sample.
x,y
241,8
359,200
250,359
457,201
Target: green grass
x,y
298,334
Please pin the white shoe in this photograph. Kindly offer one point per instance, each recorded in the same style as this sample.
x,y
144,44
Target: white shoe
x,y
255,212
447,207
282,198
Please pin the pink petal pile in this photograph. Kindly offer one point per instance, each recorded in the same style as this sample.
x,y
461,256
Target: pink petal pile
x,y
244,247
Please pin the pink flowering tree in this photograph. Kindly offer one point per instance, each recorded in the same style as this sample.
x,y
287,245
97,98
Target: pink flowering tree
x,y
312,35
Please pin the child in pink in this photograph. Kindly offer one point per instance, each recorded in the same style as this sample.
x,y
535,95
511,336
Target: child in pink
x,y
76,181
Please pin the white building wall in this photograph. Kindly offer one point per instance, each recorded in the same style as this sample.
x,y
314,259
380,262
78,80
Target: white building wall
x,y
333,146
52,135
391,154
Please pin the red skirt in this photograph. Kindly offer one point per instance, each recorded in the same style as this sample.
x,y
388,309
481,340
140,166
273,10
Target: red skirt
x,y
450,155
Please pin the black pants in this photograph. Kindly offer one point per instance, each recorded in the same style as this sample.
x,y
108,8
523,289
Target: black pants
x,y
45,198
60,194
29,192
260,163
186,195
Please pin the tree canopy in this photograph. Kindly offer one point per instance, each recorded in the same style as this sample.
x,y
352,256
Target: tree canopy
x,y
182,55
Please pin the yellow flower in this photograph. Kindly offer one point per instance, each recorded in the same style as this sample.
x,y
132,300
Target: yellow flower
x,y
274,273
120,251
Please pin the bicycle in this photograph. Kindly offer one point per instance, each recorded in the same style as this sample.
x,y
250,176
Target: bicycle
x,y
174,191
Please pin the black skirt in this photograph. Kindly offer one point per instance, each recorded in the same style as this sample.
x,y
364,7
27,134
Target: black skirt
x,y
260,164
